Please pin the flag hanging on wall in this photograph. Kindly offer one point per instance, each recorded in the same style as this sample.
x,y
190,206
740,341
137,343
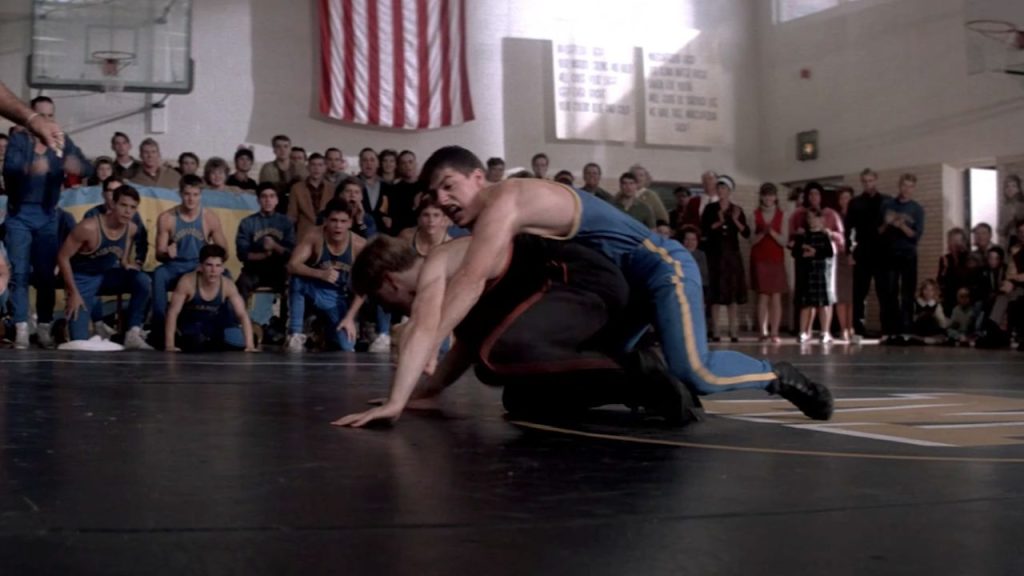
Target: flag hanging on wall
x,y
395,63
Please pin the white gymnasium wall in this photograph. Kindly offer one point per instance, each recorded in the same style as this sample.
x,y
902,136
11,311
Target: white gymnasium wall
x,y
257,60
889,88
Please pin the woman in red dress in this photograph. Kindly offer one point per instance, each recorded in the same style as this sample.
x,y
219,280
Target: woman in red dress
x,y
767,263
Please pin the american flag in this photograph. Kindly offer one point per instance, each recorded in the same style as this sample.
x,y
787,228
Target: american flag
x,y
395,63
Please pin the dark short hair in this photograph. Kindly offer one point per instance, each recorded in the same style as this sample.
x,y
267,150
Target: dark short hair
x,y
565,177
280,138
494,161
538,156
868,172
957,230
406,153
592,165
110,180
984,225
998,250
627,176
381,256
102,160
1014,178
427,201
315,156
455,157
244,152
122,135
661,223
213,251
768,189
266,186
689,229
367,149
908,177
336,205
39,100
149,142
126,190
4,136
190,181
298,149
184,155
348,181
332,149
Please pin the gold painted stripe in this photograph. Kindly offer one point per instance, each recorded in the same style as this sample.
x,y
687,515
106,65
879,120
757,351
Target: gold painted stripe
x,y
757,450
688,334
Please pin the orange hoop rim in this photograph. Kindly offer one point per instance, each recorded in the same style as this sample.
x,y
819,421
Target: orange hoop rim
x,y
112,61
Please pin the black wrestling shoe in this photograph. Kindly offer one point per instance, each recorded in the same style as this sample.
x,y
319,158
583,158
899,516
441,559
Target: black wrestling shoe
x,y
659,392
812,398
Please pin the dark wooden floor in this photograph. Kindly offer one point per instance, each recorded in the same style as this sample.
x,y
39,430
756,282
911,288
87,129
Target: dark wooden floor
x,y
152,464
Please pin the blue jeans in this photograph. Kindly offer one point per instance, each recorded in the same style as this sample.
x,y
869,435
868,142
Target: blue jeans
x,y
668,277
165,278
326,298
111,282
32,250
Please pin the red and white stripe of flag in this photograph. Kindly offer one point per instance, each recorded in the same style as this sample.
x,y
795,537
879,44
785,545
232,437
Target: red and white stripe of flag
x,y
395,63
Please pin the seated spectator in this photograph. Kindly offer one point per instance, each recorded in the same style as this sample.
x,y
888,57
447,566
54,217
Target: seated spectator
x,y
816,249
994,329
592,182
243,165
495,170
629,202
335,161
663,229
963,322
320,268
264,244
96,260
298,157
181,233
103,168
689,237
152,171
309,197
207,313
953,271
930,323
982,234
188,163
351,192
215,174
539,164
565,177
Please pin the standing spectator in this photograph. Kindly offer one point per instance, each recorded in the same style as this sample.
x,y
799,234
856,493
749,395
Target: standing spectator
x,y
282,172
983,239
152,171
124,164
844,274
815,293
539,165
648,196
902,227
1011,211
833,226
335,167
697,204
863,225
1015,275
188,163
592,182
677,215
402,194
243,165
953,271
33,173
723,224
388,171
351,192
630,204
495,170
375,192
565,177
298,157
768,264
309,197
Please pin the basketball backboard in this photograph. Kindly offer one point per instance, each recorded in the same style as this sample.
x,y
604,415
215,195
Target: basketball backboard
x,y
112,45
995,36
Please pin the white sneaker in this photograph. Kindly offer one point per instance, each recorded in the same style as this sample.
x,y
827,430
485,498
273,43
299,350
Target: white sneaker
x,y
44,335
296,343
103,330
382,344
136,340
826,338
21,336
803,338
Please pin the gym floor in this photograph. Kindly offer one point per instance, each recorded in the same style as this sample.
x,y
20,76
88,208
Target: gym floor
x,y
144,463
